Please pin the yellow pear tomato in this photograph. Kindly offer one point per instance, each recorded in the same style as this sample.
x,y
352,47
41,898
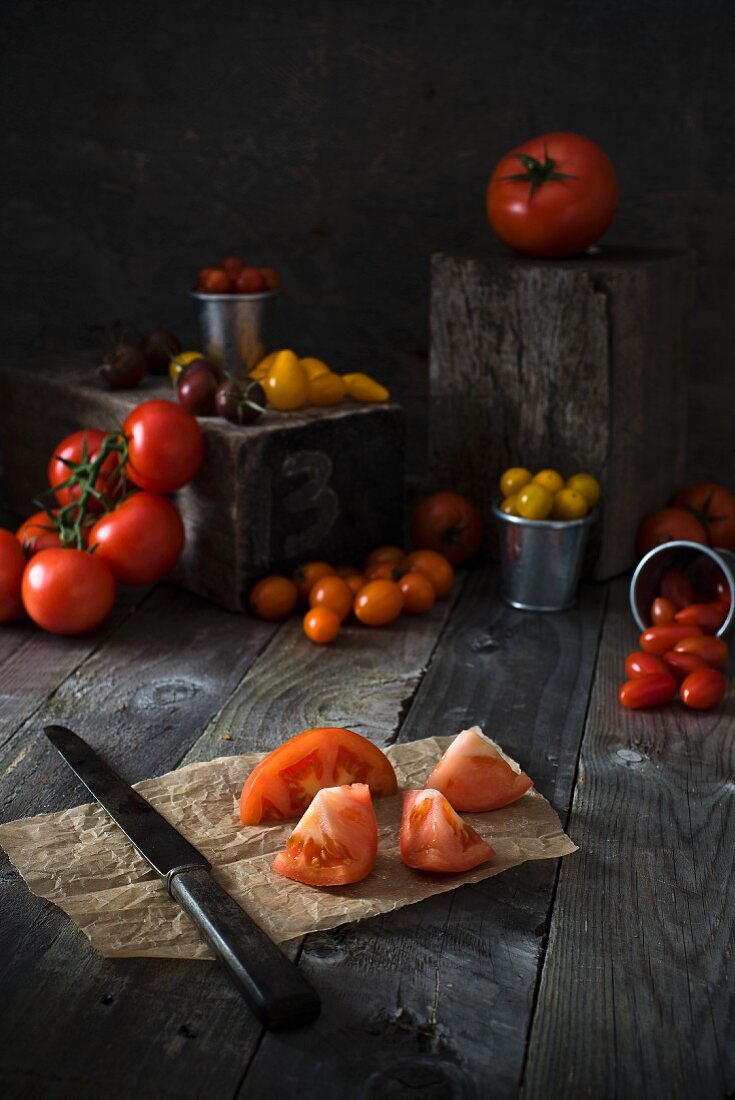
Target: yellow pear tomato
x,y
314,367
260,371
285,384
364,388
325,389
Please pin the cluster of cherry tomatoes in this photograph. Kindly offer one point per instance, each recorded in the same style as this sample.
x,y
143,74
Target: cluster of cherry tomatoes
x,y
391,583
62,565
703,513
680,650
546,495
126,362
235,276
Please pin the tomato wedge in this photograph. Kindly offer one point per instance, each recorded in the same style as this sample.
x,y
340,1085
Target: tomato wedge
x,y
284,783
335,842
435,838
476,775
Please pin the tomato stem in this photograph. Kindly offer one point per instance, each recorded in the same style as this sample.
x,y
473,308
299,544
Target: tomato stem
x,y
537,172
71,519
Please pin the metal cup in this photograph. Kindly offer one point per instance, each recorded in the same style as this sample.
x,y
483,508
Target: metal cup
x,y
541,560
700,563
235,328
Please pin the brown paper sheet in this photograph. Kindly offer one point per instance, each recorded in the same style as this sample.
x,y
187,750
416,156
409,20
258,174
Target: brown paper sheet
x,y
81,861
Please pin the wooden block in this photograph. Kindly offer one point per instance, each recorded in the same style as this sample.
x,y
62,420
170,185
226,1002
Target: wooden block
x,y
575,364
317,483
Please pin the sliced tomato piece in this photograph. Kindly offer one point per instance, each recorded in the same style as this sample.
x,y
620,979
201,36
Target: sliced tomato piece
x,y
335,842
284,783
435,838
476,775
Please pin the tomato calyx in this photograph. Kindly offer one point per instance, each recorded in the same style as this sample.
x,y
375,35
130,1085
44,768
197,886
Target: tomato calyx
x,y
537,172
70,519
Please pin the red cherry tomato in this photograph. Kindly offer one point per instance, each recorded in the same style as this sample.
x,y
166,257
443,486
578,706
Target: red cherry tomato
x,y
73,449
668,525
249,280
714,505
703,689
141,540
12,566
643,664
681,664
553,196
648,691
232,264
213,280
67,591
165,446
708,616
712,650
662,610
660,639
676,586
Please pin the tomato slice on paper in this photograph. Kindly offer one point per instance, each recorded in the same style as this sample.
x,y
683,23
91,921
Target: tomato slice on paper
x,y
435,838
284,783
335,842
476,775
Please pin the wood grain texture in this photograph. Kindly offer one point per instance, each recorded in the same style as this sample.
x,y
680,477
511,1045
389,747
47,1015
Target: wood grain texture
x,y
322,483
436,998
571,364
636,997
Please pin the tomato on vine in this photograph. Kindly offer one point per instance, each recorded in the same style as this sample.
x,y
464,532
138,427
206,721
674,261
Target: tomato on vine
x,y
67,591
165,446
81,449
141,540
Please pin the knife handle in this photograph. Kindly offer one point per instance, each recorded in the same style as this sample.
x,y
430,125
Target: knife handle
x,y
273,986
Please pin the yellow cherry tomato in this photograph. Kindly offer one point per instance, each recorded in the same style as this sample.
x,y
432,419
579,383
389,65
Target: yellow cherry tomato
x,y
569,504
509,505
260,371
285,385
587,485
325,389
514,479
534,501
179,363
364,388
550,480
314,367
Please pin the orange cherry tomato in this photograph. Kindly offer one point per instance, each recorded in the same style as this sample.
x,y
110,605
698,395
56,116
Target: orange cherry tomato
x,y
663,610
435,567
703,689
392,554
378,603
384,570
660,639
418,593
304,576
321,624
675,585
346,571
681,664
332,592
712,650
708,616
643,664
355,581
273,598
648,691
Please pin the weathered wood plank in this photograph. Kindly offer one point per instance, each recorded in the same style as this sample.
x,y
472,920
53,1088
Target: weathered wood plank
x,y
438,996
149,1028
639,978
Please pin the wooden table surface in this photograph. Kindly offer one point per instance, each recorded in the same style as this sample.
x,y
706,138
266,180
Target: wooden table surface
x,y
607,974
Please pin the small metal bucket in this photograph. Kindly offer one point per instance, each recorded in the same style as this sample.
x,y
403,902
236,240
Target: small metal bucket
x,y
235,328
700,563
541,560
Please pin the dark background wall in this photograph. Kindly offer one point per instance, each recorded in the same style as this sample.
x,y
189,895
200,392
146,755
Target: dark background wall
x,y
343,142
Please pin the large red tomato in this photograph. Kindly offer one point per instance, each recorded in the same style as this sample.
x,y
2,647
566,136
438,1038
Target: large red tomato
x,y
447,523
335,842
714,506
67,591
141,540
553,196
165,446
668,525
83,446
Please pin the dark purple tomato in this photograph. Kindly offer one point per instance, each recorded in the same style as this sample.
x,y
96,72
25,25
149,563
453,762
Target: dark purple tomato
x,y
240,402
124,367
196,389
159,348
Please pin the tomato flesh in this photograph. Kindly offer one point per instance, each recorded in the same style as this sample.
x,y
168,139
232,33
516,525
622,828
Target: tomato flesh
x,y
336,840
283,784
475,775
434,837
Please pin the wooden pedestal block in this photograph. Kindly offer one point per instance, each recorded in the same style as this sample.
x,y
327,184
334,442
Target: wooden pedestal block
x,y
574,364
313,484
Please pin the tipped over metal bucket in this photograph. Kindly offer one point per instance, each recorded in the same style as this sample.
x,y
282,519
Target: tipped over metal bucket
x,y
701,564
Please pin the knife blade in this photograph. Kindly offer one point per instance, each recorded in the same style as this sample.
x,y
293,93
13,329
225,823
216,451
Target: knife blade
x,y
274,987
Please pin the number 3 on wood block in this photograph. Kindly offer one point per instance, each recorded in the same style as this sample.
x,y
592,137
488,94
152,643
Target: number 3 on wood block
x,y
313,495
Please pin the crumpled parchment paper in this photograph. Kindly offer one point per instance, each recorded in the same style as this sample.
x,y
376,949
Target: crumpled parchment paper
x,y
80,860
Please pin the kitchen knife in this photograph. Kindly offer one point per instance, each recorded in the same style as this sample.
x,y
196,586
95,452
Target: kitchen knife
x,y
275,989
